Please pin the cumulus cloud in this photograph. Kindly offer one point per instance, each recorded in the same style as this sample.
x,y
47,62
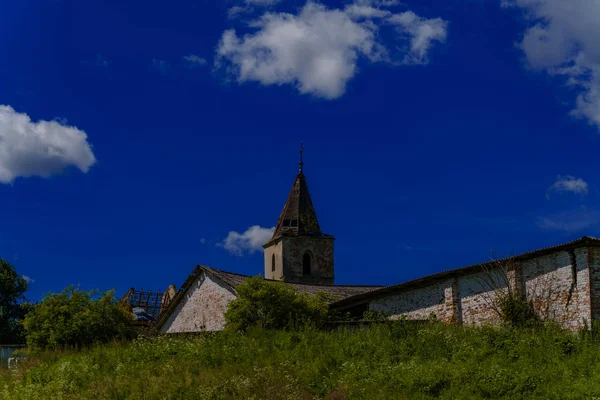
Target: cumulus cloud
x,y
317,50
570,184
41,148
28,279
194,60
249,242
563,39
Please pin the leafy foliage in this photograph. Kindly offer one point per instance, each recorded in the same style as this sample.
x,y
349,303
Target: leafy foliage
x,y
12,293
273,305
76,318
396,360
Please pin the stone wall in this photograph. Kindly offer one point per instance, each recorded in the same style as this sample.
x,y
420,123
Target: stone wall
x,y
415,304
321,250
594,277
202,308
558,284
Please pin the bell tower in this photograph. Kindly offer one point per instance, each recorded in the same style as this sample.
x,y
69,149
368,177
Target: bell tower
x,y
299,252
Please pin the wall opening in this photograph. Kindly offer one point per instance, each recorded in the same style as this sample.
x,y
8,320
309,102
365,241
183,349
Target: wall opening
x,y
306,263
273,263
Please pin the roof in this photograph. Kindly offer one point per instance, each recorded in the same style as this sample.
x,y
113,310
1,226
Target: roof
x,y
298,217
233,280
419,282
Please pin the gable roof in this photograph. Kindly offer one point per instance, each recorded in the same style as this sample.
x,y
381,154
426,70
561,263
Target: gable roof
x,y
233,280
419,282
298,217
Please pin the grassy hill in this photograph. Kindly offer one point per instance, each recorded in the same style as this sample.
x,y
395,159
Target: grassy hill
x,y
395,361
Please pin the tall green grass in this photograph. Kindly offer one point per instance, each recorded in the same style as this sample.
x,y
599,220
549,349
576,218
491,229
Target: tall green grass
x,y
388,361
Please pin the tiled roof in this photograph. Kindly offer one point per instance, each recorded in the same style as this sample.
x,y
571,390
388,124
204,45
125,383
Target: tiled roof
x,y
419,282
337,292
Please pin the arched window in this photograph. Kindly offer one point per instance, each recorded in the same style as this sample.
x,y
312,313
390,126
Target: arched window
x,y
273,263
306,264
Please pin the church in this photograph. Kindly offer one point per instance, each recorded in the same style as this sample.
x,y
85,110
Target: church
x,y
562,281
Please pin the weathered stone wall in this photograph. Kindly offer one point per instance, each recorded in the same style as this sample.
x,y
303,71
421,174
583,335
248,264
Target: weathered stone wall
x,y
558,284
277,250
594,277
321,250
202,308
415,304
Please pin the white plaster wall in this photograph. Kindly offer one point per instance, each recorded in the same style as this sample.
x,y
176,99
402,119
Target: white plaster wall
x,y
475,302
414,304
556,293
548,280
276,249
202,308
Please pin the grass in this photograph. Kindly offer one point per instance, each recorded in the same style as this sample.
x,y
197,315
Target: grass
x,y
395,361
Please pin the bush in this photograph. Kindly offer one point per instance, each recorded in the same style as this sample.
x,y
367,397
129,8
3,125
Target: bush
x,y
517,311
273,305
76,318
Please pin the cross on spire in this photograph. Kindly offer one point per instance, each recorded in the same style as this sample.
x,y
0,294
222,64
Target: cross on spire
x,y
301,163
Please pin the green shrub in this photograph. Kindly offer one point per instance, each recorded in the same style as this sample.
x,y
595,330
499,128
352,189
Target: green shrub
x,y
517,311
273,305
76,318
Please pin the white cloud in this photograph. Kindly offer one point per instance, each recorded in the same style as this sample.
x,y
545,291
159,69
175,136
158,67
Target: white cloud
x,y
563,38
39,148
423,32
248,242
570,221
570,184
28,279
317,50
194,60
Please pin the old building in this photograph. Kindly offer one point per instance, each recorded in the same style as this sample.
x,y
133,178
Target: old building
x,y
298,253
562,281
206,293
298,250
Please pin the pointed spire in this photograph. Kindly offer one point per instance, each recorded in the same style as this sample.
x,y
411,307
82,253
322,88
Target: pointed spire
x,y
298,217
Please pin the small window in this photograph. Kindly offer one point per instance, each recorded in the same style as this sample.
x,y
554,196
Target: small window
x,y
273,263
294,223
286,222
306,264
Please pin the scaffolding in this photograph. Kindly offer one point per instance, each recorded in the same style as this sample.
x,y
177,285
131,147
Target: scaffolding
x,y
153,302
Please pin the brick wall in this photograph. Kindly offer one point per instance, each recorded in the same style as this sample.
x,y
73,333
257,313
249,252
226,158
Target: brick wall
x,y
202,308
558,284
594,276
415,304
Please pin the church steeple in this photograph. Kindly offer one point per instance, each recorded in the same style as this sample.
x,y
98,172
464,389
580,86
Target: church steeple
x,y
298,217
298,251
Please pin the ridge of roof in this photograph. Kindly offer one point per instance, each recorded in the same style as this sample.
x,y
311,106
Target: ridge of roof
x,y
232,280
463,270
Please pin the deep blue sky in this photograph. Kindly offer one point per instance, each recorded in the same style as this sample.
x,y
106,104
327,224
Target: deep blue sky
x,y
414,169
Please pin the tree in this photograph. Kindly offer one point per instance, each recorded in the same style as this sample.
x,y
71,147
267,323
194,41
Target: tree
x,y
76,318
12,293
274,305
